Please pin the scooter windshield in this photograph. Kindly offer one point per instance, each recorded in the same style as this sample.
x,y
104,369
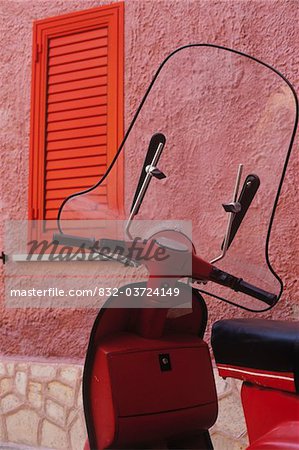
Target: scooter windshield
x,y
221,126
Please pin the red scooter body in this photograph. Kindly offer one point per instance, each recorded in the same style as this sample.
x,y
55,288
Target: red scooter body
x,y
155,386
140,391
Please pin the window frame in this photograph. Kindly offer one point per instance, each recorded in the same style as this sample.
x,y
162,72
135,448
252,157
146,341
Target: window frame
x,y
43,30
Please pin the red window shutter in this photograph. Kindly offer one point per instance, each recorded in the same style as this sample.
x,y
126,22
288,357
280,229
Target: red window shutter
x,y
77,107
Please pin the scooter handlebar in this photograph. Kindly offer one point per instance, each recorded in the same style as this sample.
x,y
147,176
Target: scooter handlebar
x,y
203,270
239,285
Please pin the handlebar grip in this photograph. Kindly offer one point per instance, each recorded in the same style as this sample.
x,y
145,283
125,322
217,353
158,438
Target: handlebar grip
x,y
112,244
239,285
74,241
253,291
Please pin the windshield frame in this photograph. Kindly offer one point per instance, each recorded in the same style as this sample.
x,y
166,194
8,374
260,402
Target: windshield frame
x,y
283,172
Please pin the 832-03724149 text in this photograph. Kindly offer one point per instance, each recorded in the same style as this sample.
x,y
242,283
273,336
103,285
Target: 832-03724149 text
x,y
97,291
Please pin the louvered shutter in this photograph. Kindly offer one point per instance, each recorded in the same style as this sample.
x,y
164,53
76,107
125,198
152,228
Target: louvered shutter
x,y
77,108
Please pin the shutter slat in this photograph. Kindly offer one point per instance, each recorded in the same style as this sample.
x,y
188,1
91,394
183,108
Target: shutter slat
x,y
77,94
77,114
89,204
57,194
77,215
78,37
74,85
77,123
74,183
79,132
78,66
64,173
100,100
78,46
76,153
78,75
77,143
78,162
78,55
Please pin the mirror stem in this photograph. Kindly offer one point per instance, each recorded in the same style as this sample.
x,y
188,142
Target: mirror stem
x,y
143,189
231,216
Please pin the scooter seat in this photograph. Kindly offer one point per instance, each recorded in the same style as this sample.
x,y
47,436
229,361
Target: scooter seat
x,y
260,351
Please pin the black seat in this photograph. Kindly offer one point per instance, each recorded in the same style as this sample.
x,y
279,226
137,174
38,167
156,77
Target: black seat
x,y
270,345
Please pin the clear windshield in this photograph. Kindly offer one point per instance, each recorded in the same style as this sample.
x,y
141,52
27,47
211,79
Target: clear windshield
x,y
217,109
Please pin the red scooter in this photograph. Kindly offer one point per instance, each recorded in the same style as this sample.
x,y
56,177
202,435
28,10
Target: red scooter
x,y
148,379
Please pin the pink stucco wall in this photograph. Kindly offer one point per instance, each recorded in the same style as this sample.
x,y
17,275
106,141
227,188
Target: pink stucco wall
x,y
265,29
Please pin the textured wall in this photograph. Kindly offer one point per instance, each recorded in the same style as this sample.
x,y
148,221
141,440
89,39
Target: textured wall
x,y
265,29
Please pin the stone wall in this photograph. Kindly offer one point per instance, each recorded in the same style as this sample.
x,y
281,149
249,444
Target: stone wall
x,y
41,407
41,404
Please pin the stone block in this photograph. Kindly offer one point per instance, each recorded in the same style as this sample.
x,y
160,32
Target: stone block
x,y
22,427
35,394
22,366
2,369
80,396
21,382
61,392
53,437
78,435
55,412
71,417
43,371
3,437
10,367
70,374
9,403
6,385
